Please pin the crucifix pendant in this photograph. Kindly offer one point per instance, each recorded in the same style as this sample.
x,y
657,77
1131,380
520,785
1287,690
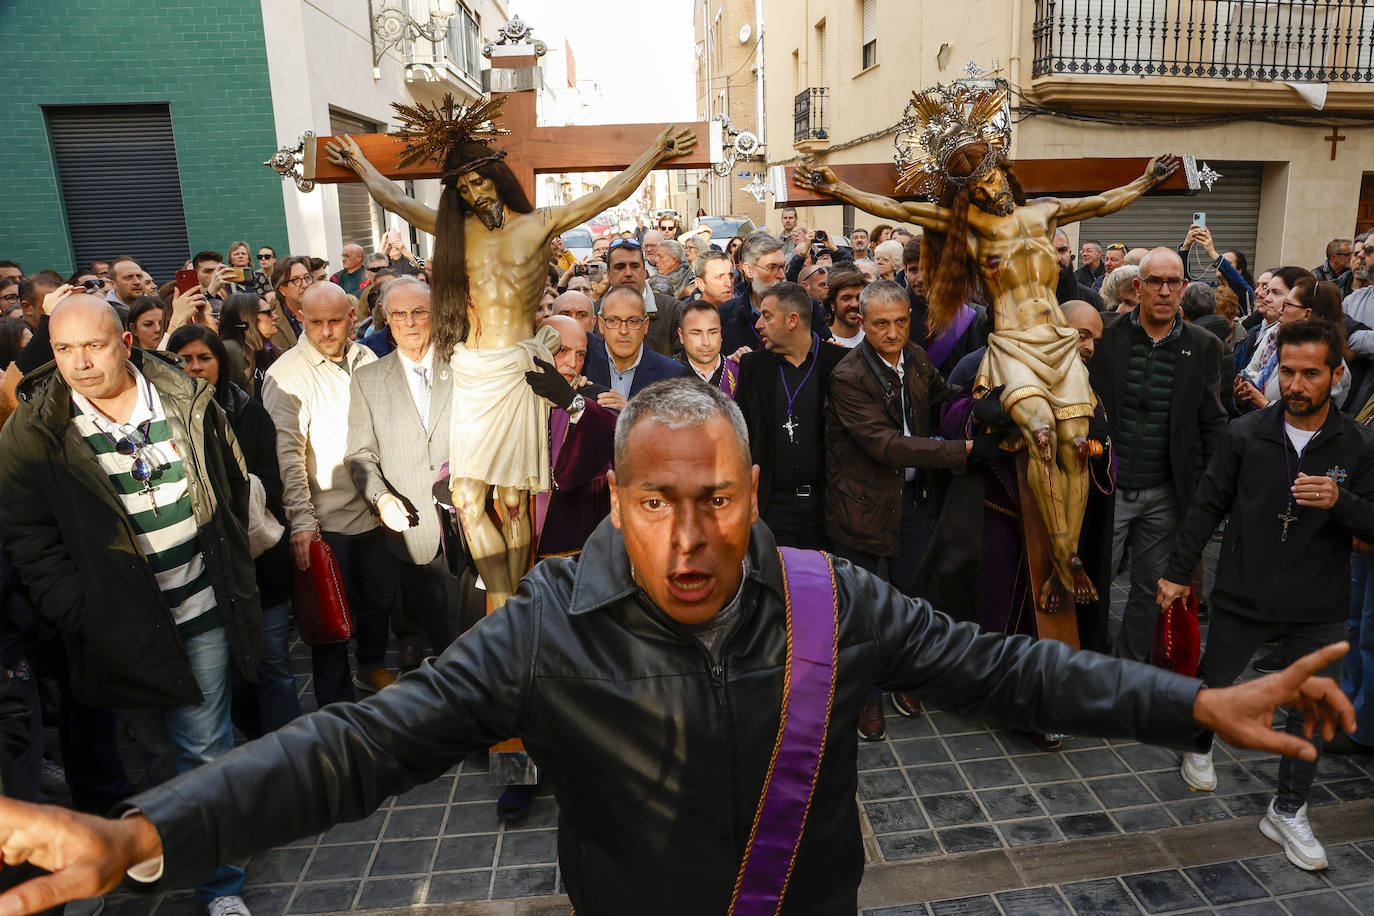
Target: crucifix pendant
x,y
1287,517
152,497
791,427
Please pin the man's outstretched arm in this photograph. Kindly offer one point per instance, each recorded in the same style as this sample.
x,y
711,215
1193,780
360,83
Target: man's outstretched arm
x,y
1081,208
668,145
823,180
332,766
346,154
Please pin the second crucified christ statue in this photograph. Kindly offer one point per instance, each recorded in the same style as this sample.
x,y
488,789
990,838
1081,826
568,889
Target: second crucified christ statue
x,y
981,224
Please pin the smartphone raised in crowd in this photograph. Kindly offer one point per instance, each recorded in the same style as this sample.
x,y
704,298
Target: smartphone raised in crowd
x,y
1200,219
186,279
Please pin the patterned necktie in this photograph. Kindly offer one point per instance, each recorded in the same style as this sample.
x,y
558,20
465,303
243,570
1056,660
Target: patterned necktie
x,y
422,402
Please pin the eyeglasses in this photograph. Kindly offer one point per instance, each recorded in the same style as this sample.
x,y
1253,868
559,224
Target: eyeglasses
x,y
419,316
625,243
266,312
1157,283
142,469
771,268
633,324
302,281
1116,247
10,298
265,257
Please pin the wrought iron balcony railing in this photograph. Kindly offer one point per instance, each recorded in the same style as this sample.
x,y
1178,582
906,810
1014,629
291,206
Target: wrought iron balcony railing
x,y
1326,41
808,116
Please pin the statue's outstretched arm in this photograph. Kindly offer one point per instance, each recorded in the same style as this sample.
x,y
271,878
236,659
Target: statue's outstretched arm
x,y
823,180
345,153
669,145
1071,211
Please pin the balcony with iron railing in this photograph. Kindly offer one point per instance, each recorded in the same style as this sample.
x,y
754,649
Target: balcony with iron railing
x,y
810,128
1203,44
455,62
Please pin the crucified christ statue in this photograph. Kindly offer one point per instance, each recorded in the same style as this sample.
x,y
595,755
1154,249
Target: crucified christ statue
x,y
490,270
1032,355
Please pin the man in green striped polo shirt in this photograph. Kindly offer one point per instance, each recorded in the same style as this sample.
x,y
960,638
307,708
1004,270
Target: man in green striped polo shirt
x,y
124,509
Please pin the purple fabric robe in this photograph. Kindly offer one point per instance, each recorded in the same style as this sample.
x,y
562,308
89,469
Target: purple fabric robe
x,y
580,455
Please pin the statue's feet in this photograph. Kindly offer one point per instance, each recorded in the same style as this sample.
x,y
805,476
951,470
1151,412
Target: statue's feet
x,y
1084,592
1052,595
1083,446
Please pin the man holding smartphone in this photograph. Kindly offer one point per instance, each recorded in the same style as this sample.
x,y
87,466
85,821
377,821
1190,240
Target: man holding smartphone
x,y
213,275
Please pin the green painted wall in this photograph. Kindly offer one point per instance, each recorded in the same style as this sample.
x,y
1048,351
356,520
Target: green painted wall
x,y
204,58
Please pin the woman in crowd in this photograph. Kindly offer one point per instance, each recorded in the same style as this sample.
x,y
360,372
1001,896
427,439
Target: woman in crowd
x,y
241,256
881,233
239,319
274,702
888,256
1308,298
14,334
147,322
1118,289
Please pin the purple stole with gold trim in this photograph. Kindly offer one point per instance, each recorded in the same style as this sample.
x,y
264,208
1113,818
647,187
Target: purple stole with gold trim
x,y
807,695
729,376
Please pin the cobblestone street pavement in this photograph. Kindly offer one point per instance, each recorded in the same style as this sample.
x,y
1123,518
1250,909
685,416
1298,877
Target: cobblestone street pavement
x,y
977,819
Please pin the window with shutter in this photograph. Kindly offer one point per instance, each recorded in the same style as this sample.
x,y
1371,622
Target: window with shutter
x,y
360,218
107,156
821,56
870,33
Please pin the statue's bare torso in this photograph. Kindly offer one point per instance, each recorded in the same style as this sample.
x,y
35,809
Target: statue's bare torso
x,y
506,277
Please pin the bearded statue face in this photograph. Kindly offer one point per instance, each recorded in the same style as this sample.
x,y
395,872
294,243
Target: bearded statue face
x,y
481,197
992,193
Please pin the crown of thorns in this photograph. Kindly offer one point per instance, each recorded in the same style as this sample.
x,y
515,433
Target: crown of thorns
x,y
940,121
432,132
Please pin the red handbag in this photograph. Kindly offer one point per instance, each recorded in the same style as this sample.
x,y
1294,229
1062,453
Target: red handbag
x,y
317,595
1177,643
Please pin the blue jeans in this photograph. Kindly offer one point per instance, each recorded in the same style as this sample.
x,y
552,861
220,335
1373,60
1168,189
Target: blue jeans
x,y
1358,678
187,736
1145,523
272,702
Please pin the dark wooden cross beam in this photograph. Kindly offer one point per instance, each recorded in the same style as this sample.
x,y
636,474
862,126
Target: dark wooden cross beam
x,y
1334,139
1038,177
530,150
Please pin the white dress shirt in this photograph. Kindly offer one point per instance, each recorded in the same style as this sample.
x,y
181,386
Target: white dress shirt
x,y
420,378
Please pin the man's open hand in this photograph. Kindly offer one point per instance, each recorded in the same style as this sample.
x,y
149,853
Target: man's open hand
x,y
1243,715
87,855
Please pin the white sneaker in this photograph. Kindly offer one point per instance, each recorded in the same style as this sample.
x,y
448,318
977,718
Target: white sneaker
x,y
1197,772
1294,834
231,905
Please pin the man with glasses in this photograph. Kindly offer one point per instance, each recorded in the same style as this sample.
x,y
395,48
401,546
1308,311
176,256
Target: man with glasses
x,y
1336,267
763,263
158,539
1093,270
629,364
267,260
1158,379
395,453
626,267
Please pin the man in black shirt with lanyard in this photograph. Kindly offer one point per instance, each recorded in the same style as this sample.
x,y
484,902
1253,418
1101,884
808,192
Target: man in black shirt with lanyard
x,y
1297,479
782,392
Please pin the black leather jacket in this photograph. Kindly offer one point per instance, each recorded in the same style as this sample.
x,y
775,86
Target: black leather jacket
x,y
656,753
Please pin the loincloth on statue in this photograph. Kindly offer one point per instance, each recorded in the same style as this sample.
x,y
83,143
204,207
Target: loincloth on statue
x,y
1040,362
500,427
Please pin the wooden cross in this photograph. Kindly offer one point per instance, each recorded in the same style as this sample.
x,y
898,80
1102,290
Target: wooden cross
x,y
1334,138
1038,177
530,149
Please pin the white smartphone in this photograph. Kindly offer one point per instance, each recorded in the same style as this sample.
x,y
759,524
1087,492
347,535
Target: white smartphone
x,y
1200,219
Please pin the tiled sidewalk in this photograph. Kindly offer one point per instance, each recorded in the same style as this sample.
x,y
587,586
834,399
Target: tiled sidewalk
x,y
938,792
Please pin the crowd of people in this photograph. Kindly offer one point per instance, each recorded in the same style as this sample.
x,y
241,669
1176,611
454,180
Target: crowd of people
x,y
174,453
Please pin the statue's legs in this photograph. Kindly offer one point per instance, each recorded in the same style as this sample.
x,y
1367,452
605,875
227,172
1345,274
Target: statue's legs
x,y
484,539
1049,485
1073,460
513,508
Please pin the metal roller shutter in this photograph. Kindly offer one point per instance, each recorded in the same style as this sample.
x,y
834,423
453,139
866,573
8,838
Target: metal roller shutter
x,y
1232,209
117,169
360,218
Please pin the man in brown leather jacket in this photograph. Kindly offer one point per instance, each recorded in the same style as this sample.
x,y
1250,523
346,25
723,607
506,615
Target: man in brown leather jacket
x,y
645,681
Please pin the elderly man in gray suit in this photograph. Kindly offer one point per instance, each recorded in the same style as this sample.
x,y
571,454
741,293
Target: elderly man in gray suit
x,y
398,440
